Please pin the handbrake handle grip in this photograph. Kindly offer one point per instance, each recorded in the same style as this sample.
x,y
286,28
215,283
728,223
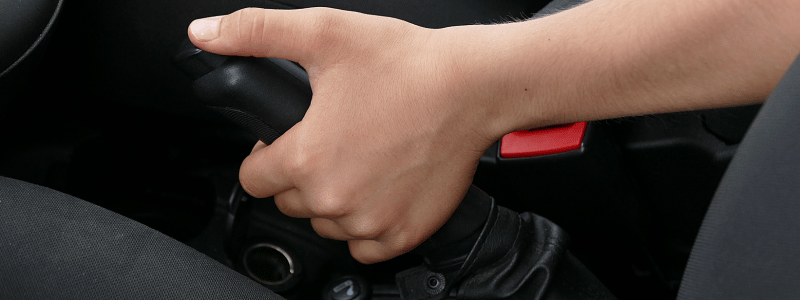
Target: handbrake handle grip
x,y
266,96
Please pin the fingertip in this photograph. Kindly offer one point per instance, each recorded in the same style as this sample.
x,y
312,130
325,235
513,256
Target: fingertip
x,y
259,32
248,176
246,180
205,30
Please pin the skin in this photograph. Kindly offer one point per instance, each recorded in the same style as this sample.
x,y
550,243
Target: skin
x,y
401,114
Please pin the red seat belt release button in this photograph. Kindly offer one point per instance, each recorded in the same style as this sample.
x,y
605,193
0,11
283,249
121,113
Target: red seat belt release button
x,y
544,141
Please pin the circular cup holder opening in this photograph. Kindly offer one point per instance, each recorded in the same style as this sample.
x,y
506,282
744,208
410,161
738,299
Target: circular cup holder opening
x,y
268,264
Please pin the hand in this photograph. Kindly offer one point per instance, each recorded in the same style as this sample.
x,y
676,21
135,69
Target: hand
x,y
391,140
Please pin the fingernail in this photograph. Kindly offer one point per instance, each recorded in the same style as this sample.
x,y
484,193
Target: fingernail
x,y
205,30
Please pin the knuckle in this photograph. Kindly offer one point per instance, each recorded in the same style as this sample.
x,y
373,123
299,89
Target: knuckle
x,y
329,207
323,227
251,13
368,228
299,165
286,207
247,26
401,243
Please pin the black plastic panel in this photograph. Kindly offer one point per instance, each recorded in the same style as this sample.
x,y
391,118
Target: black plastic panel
x,y
22,24
25,29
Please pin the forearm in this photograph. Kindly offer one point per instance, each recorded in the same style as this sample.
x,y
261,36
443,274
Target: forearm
x,y
613,58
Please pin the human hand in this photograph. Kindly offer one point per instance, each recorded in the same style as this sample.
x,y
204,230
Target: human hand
x,y
393,134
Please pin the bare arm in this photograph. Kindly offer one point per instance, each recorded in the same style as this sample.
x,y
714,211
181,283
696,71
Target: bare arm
x,y
613,58
401,114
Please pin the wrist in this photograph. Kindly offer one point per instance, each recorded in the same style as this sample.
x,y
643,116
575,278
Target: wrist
x,y
507,75
483,75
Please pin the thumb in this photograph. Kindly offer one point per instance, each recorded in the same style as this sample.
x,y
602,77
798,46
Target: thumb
x,y
288,34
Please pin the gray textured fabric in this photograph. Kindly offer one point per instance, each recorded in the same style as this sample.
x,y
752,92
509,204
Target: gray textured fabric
x,y
54,246
748,244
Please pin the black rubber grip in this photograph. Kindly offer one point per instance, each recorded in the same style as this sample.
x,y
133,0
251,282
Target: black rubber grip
x,y
251,123
269,96
266,96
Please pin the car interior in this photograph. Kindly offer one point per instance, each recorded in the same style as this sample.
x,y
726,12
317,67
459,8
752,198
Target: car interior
x,y
107,145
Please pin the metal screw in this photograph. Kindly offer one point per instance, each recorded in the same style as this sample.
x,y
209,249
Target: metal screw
x,y
434,284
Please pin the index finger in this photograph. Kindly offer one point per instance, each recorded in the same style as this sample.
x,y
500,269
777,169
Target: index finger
x,y
287,34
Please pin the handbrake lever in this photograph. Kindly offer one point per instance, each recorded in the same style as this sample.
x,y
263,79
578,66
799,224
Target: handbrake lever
x,y
481,240
267,96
